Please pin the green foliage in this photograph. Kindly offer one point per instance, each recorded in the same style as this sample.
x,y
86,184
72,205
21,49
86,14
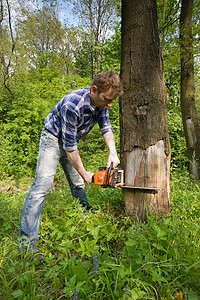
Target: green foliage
x,y
45,68
106,255
83,56
39,33
179,159
23,115
18,133
111,50
172,73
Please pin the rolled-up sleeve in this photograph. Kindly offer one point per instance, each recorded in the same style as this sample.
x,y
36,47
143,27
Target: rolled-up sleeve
x,y
104,121
69,120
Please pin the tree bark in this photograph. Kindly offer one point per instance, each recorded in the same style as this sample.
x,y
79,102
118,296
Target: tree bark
x,y
188,108
145,147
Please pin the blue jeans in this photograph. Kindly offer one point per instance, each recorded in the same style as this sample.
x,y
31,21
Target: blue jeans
x,y
50,153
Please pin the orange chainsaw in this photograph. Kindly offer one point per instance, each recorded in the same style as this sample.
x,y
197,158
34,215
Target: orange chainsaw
x,y
114,177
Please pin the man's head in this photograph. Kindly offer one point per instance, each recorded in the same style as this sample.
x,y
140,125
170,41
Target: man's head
x,y
106,87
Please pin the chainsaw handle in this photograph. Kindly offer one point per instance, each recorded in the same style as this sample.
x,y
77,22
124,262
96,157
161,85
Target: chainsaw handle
x,y
108,175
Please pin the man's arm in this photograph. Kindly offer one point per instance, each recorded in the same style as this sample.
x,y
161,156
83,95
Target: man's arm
x,y
76,162
110,142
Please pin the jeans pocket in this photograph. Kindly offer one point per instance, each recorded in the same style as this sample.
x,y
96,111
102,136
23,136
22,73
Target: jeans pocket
x,y
47,138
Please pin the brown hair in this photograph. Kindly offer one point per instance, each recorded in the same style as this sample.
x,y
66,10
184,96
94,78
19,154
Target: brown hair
x,y
106,80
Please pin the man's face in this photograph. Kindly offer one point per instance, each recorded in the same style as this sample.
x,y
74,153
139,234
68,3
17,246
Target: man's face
x,y
103,99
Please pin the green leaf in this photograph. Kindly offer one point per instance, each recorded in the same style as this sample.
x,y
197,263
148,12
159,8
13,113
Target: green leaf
x,y
156,276
136,293
160,233
192,296
82,244
87,243
158,246
80,272
130,243
18,293
73,281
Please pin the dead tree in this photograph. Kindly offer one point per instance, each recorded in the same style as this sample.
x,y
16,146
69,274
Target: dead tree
x,y
145,147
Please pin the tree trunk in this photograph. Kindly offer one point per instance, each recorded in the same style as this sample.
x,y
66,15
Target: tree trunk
x,y
145,148
188,108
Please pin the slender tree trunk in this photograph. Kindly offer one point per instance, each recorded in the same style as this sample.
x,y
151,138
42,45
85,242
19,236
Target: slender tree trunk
x,y
91,58
145,148
1,9
6,61
58,29
91,37
188,108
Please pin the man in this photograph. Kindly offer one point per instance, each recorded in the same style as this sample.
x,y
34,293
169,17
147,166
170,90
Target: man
x,y
71,119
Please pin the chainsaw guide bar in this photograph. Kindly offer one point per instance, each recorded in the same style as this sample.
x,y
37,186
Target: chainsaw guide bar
x,y
140,188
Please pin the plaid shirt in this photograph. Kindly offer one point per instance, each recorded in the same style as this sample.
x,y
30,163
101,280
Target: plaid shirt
x,y
74,116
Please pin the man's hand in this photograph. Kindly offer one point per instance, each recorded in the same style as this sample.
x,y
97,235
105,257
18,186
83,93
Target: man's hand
x,y
113,158
87,176
110,142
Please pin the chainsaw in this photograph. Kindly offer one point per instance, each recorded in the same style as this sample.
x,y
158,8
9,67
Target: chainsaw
x,y
114,178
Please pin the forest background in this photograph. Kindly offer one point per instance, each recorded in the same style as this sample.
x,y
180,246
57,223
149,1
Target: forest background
x,y
43,57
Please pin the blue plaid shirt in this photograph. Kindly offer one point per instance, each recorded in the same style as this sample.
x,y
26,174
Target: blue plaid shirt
x,y
74,116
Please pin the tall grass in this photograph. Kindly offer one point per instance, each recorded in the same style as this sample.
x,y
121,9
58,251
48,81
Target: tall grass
x,y
106,255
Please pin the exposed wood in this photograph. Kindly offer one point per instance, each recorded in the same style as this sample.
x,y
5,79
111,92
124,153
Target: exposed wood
x,y
147,168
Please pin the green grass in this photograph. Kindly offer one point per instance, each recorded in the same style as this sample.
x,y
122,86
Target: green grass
x,y
158,259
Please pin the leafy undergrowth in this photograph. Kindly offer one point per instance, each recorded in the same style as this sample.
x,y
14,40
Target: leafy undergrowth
x,y
106,255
